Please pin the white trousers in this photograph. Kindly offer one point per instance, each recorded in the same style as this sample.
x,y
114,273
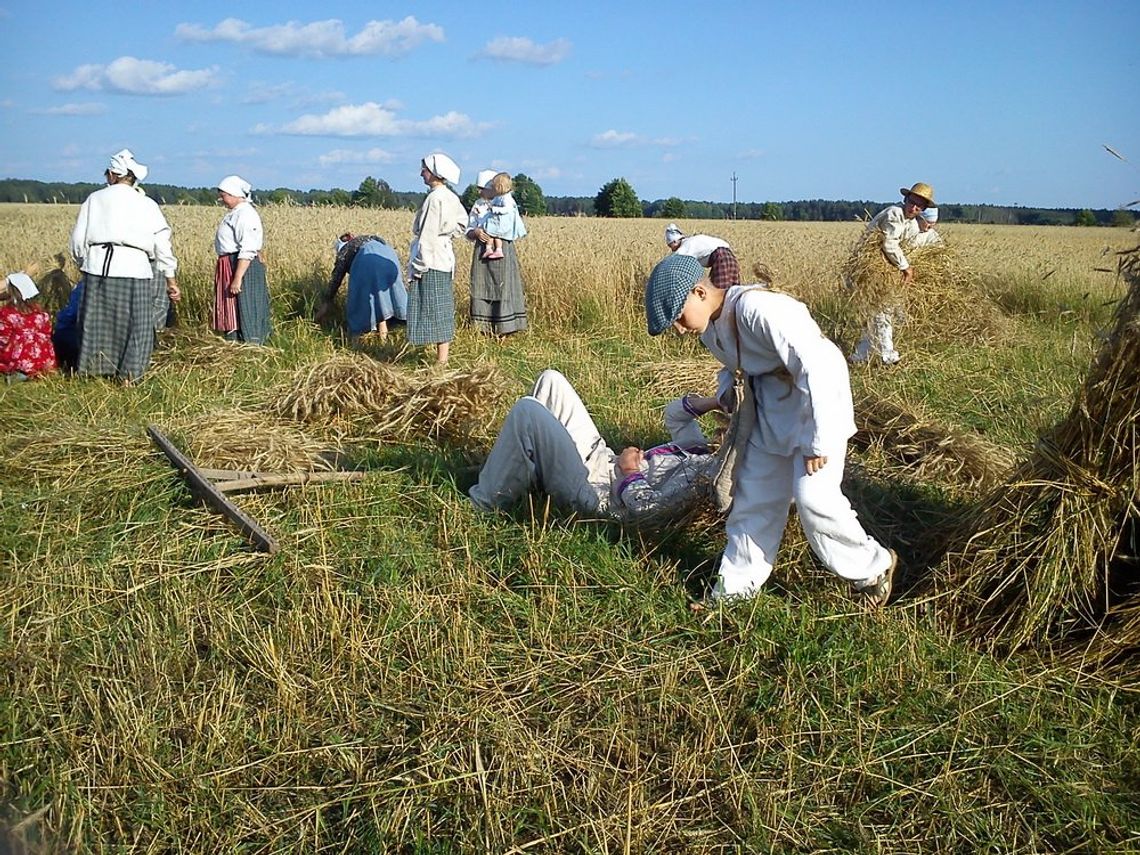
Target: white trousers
x,y
764,489
878,340
548,442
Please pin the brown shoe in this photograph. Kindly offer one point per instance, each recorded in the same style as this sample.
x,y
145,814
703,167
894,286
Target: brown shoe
x,y
875,594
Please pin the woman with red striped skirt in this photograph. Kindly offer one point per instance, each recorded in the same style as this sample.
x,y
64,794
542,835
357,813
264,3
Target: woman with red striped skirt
x,y
241,294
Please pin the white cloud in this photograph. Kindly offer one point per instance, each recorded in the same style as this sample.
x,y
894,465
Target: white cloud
x,y
132,76
615,139
751,154
520,49
320,39
375,120
629,139
88,109
260,92
344,155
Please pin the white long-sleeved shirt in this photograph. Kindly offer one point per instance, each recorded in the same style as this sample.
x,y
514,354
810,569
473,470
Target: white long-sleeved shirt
x,y
700,247
895,229
123,223
810,411
240,231
440,218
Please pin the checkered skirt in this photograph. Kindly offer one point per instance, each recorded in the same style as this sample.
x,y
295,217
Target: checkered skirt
x,y
116,322
431,308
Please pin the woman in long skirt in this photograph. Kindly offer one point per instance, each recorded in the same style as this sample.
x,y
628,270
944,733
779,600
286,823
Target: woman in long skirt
x,y
498,306
431,292
376,293
241,293
117,236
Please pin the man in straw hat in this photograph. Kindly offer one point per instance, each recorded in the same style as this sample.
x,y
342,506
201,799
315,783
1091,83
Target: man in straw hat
x,y
550,442
895,225
798,444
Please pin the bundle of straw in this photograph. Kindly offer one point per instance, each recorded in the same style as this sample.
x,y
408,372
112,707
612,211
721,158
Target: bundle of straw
x,y
250,441
1049,557
925,448
944,301
361,397
342,387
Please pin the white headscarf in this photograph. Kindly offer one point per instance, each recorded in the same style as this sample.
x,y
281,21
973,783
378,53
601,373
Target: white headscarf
x,y
24,285
442,166
123,162
930,215
235,185
484,177
672,233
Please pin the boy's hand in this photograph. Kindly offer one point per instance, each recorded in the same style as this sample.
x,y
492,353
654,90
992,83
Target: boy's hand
x,y
814,464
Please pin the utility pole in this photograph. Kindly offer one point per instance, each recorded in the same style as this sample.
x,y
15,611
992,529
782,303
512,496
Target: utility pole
x,y
734,195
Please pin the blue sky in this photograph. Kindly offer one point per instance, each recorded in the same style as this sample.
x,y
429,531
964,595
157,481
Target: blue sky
x,y
991,102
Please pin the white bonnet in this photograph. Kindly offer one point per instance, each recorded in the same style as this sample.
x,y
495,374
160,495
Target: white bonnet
x,y
235,185
123,162
442,166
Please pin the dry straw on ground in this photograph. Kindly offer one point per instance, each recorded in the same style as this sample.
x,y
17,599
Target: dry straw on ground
x,y
927,450
360,397
249,441
905,439
944,301
1050,557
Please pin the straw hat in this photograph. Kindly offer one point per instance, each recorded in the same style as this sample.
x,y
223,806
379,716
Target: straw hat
x,y
922,190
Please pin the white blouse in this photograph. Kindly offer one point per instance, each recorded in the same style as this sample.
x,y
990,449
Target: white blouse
x,y
440,218
119,232
240,231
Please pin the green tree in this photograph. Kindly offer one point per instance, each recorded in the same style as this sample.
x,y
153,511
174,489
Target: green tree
x,y
1086,218
772,211
529,195
373,194
469,196
617,199
1123,217
672,209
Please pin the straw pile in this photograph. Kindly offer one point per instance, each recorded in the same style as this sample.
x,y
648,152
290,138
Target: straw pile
x,y
1049,559
945,299
360,397
926,449
244,440
192,347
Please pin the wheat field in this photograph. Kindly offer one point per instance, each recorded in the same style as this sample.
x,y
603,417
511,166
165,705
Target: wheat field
x,y
409,675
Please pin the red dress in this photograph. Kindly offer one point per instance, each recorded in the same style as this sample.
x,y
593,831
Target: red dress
x,y
25,342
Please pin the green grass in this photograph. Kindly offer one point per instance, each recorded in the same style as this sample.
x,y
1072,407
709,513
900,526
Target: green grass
x,y
409,675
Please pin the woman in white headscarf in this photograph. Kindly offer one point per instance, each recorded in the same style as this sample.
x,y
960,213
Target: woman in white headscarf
x,y
498,305
431,292
241,294
117,236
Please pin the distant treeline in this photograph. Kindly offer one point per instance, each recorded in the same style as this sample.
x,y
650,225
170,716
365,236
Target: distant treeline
x,y
22,190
